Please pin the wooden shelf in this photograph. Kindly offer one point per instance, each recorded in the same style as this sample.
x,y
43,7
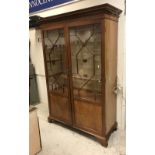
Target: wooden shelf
x,y
53,60
83,78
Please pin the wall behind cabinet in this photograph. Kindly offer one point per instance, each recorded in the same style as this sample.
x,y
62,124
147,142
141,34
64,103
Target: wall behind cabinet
x,y
37,53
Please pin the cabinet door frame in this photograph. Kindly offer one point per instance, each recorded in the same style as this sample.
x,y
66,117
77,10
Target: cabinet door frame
x,y
57,27
84,23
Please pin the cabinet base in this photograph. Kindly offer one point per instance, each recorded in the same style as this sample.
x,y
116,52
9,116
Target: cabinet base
x,y
102,140
113,128
50,120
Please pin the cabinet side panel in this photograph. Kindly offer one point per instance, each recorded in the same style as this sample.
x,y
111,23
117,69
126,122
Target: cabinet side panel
x,y
110,72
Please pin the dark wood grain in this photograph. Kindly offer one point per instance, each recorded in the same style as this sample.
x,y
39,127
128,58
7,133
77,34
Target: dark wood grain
x,y
60,107
88,116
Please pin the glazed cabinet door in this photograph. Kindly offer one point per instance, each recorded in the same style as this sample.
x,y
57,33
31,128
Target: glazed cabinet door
x,y
56,62
85,47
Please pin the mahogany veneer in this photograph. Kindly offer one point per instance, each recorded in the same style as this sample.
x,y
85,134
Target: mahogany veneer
x,y
80,54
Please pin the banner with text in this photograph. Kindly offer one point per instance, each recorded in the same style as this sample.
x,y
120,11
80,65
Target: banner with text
x,y
38,5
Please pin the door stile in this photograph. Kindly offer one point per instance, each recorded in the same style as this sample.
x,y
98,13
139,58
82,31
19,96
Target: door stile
x,y
68,54
103,77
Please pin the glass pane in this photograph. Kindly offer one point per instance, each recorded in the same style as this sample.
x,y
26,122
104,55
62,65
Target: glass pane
x,y
86,61
55,61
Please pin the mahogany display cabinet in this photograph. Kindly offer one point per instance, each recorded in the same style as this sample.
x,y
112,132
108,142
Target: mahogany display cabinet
x,y
80,55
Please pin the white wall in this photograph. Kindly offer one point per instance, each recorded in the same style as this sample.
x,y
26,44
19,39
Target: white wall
x,y
121,73
37,53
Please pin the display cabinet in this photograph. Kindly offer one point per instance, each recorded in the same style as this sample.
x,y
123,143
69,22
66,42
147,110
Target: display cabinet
x,y
80,53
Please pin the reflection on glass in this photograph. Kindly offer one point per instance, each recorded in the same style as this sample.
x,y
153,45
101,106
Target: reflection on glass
x,y
55,60
86,61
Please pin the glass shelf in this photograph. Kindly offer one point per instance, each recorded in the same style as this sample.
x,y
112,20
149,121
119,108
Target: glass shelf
x,y
84,78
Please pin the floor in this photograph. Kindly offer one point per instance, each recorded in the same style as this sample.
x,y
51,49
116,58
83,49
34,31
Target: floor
x,y
58,140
